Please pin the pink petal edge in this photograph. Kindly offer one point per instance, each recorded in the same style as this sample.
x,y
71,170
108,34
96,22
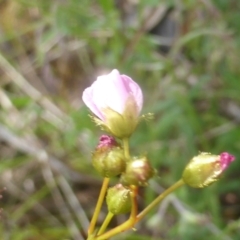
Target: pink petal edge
x,y
226,159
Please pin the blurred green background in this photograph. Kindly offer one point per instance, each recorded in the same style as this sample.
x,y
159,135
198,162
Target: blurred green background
x,y
184,54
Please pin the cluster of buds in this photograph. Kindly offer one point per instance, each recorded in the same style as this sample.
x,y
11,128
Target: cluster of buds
x,y
116,102
109,160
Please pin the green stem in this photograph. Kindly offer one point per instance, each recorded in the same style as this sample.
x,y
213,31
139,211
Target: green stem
x,y
159,199
105,223
129,223
98,206
126,148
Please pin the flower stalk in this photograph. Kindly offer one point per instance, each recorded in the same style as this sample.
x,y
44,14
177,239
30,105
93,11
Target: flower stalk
x,y
125,142
98,206
105,223
171,189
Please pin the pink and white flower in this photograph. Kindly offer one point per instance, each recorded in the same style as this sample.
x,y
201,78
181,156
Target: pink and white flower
x,y
117,101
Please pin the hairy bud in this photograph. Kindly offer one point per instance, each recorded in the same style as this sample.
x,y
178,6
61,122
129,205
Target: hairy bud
x,y
138,172
118,199
108,158
206,169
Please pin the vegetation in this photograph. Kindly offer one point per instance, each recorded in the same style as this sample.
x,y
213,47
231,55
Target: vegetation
x,y
184,55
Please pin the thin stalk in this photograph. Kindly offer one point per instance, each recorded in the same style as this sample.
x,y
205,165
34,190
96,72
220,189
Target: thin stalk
x,y
126,148
105,223
98,206
159,199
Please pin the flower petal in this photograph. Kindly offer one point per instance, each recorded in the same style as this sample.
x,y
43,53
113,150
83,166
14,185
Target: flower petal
x,y
87,98
116,100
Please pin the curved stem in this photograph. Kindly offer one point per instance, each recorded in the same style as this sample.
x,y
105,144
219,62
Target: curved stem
x,y
159,199
98,206
105,223
134,193
129,223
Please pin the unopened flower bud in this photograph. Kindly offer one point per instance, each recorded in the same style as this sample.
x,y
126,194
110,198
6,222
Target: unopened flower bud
x,y
206,169
118,199
138,172
108,158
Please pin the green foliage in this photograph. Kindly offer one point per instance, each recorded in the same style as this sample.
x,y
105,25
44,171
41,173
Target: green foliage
x,y
59,47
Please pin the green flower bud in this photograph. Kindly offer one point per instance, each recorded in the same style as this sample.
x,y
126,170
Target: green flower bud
x,y
138,172
118,200
108,158
206,169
